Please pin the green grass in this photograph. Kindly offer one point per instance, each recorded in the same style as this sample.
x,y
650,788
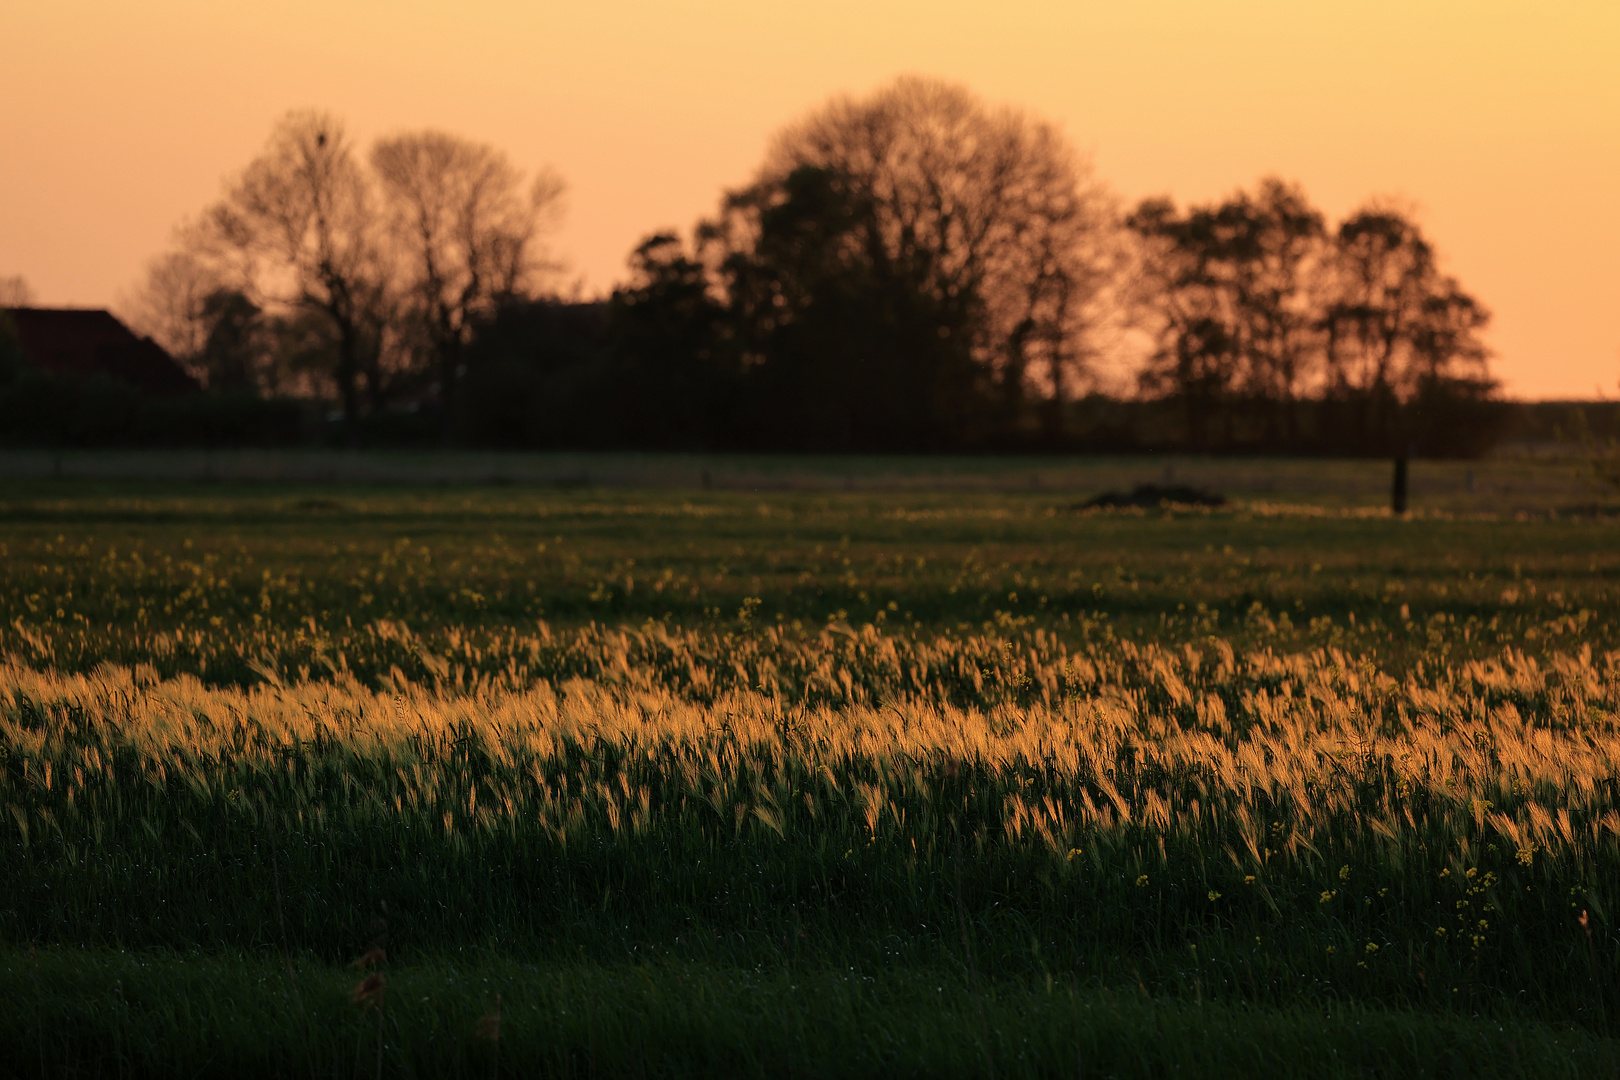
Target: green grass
x,y
285,574
84,1013
644,761
1553,478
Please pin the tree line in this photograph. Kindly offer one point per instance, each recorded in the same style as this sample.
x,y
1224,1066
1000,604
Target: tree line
x,y
909,271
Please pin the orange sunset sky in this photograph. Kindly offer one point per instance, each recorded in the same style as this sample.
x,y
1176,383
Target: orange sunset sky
x,y
1499,122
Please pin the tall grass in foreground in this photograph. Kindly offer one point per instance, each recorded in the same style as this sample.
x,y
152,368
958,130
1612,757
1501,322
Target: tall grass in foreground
x,y
1244,827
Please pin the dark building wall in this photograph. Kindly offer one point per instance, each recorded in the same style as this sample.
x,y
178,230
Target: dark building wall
x,y
83,342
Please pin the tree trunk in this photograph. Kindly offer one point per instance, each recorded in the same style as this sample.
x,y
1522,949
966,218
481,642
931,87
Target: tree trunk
x,y
348,374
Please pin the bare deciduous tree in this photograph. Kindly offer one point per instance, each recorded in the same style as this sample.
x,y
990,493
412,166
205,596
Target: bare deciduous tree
x,y
168,305
301,225
317,273
468,234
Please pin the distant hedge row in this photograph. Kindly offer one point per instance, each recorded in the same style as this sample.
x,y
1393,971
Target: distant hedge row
x,y
531,408
42,409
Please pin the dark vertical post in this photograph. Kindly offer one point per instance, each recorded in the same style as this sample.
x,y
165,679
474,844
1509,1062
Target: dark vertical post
x,y
1397,499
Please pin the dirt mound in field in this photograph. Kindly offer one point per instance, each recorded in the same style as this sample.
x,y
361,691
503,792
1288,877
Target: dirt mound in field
x,y
1151,496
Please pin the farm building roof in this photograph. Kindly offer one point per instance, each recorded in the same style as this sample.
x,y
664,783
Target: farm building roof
x,y
89,341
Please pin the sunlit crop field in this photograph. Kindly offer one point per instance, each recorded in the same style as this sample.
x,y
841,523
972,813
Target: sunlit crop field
x,y
1300,760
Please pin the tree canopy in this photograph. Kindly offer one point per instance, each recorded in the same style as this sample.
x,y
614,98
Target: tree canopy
x,y
909,270
1258,314
366,277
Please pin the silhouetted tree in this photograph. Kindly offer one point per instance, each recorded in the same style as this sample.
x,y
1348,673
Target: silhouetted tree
x,y
541,374
1398,331
302,353
674,367
840,353
467,232
168,304
367,282
1230,299
15,292
1195,355
306,203
1279,241
944,257
299,228
234,352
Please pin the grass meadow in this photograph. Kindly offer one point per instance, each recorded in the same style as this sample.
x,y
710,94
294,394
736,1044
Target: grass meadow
x,y
512,779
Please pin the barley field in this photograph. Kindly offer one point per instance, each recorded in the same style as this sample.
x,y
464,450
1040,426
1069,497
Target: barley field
x,y
575,781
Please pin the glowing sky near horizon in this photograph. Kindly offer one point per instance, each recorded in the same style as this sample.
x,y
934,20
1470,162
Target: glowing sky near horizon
x,y
1498,121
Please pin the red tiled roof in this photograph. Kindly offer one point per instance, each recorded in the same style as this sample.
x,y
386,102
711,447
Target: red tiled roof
x,y
87,341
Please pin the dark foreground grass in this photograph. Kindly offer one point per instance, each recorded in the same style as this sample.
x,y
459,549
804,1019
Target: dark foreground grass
x,y
101,1013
